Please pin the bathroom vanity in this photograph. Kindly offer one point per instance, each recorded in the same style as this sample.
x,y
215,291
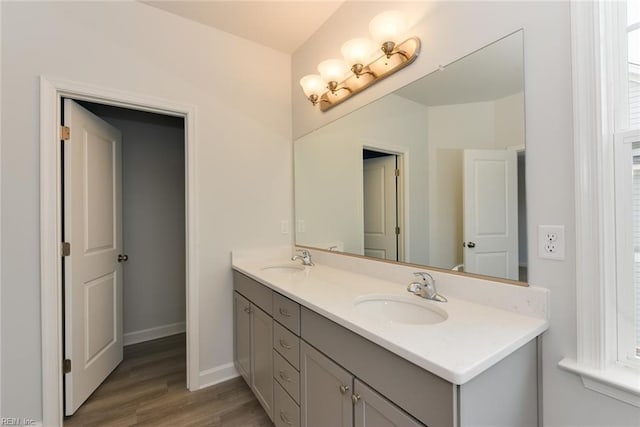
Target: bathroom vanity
x,y
329,345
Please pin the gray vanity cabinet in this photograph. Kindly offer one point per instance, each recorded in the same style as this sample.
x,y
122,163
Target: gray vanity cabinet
x,y
253,338
325,395
242,336
309,371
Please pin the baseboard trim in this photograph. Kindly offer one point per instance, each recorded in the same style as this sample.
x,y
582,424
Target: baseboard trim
x,y
154,333
217,375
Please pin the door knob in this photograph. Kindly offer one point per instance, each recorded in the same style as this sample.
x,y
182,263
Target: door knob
x,y
471,245
355,398
123,258
344,389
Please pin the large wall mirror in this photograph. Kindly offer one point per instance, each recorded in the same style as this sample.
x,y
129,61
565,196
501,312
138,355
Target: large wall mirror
x,y
431,174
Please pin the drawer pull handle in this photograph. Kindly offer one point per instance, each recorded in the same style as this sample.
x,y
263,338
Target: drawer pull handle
x,y
284,312
355,398
285,377
284,418
284,344
344,389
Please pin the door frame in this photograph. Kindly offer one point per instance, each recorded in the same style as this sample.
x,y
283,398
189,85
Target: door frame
x,y
52,90
402,191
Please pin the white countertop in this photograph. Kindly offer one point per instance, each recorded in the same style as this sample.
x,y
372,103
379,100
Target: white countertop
x,y
473,337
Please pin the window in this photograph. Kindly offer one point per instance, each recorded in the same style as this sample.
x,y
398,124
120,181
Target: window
x,y
627,221
606,96
627,189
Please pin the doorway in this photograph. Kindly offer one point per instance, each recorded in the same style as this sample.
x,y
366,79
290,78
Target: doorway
x,y
52,91
151,258
381,204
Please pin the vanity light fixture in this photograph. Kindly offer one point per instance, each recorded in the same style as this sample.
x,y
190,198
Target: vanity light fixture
x,y
386,29
357,53
313,86
336,83
333,71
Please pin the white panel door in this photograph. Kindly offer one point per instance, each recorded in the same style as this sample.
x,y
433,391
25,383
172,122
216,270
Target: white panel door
x,y
380,207
491,213
92,274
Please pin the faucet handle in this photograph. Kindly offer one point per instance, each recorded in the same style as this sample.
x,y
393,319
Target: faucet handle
x,y
428,284
426,288
426,277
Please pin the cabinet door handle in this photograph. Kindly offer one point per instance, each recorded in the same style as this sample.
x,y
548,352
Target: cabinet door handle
x,y
284,344
285,377
355,398
284,418
344,389
284,312
247,309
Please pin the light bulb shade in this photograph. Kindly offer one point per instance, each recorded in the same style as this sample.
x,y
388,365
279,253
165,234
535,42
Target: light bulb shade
x,y
388,26
333,70
358,51
313,84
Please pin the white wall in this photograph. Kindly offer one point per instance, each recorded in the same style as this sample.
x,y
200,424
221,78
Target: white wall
x,y
453,29
509,126
243,129
153,195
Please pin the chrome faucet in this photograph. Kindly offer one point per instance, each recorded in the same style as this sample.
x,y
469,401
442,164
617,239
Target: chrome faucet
x,y
305,257
426,287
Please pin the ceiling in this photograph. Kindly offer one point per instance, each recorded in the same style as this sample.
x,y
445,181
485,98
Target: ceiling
x,y
280,25
493,72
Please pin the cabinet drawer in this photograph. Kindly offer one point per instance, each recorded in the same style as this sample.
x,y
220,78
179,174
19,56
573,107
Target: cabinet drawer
x,y
287,344
255,292
286,413
286,312
287,376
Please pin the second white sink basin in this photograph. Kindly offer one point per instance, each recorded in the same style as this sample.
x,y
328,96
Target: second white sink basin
x,y
285,268
395,309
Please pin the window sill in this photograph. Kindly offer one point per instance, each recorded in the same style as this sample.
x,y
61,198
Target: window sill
x,y
617,381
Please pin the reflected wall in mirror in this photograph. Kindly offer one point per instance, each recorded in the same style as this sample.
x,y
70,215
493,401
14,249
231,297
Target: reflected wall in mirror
x,y
431,174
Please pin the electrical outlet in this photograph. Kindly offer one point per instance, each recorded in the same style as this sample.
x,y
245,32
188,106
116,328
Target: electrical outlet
x,y
551,242
284,227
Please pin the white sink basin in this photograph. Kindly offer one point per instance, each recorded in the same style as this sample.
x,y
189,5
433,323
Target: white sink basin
x,y
285,268
395,309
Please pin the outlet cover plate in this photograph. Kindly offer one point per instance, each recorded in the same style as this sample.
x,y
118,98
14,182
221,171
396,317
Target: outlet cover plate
x,y
551,242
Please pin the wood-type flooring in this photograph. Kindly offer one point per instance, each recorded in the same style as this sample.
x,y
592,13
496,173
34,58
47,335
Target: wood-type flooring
x,y
149,389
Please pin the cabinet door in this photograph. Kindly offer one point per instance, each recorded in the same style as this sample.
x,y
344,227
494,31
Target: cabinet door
x,y
325,387
373,410
262,358
242,336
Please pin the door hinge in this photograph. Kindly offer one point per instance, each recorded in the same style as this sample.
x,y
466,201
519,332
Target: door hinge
x,y
397,230
65,248
65,133
66,366
397,172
